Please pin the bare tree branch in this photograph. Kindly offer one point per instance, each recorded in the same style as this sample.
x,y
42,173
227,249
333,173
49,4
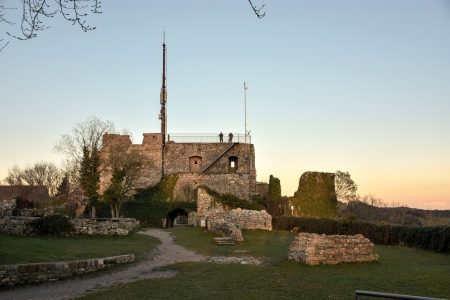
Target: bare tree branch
x,y
35,12
258,10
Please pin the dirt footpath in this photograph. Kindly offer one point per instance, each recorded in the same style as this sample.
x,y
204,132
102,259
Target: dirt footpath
x,y
165,254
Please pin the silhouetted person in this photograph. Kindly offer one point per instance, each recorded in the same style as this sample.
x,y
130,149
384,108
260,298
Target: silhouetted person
x,y
230,138
221,137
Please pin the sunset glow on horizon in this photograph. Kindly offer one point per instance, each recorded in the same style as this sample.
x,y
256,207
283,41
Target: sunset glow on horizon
x,y
357,86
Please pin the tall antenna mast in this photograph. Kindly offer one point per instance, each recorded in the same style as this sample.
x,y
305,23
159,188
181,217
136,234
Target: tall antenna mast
x,y
163,96
163,101
245,111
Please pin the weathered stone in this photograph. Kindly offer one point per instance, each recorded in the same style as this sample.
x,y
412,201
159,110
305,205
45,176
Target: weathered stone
x,y
215,212
121,226
314,249
195,164
42,272
227,230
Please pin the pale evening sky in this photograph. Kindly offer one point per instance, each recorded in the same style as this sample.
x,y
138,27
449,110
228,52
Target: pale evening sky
x,y
359,86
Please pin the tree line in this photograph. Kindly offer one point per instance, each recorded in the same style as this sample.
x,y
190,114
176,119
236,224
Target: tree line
x,y
77,182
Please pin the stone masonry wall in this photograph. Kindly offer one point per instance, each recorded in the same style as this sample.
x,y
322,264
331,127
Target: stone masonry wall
x,y
314,249
215,173
216,213
235,184
16,225
243,218
150,150
212,164
122,226
11,275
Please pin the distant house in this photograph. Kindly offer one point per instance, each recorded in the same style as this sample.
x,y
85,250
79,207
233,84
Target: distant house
x,y
38,195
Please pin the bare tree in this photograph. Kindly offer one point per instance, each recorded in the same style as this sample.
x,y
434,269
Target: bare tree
x,y
41,173
14,176
372,200
258,10
87,134
345,187
86,137
126,168
35,13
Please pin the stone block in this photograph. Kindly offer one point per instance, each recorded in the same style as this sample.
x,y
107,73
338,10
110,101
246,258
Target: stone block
x,y
314,249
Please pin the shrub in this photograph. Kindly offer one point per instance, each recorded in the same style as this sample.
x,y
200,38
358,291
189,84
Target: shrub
x,y
153,204
53,225
429,238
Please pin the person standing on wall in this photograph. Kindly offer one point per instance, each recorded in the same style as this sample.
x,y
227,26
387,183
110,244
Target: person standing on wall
x,y
221,137
230,138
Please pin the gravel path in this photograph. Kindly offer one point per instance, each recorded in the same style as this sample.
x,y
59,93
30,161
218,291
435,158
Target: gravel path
x,y
165,254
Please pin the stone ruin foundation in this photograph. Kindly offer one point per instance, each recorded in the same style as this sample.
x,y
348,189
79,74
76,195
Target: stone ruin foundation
x,y
315,249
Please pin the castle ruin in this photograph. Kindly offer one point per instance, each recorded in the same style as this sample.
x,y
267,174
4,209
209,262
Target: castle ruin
x,y
197,159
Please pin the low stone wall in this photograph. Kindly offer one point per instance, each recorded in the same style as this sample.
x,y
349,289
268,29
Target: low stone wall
x,y
11,275
121,226
215,212
7,207
314,249
243,218
16,225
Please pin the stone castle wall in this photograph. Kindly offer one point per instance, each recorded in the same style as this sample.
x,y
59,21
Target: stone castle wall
x,y
195,164
11,275
235,184
149,150
314,249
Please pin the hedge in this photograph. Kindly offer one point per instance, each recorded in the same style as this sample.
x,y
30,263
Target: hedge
x,y
435,238
52,225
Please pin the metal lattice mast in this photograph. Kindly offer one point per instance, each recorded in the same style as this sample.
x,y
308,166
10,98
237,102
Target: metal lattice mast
x,y
163,97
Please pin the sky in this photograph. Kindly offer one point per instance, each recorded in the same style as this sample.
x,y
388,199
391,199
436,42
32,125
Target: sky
x,y
351,85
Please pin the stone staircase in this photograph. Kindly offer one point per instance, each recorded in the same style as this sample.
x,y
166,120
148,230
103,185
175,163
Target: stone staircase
x,y
218,157
224,241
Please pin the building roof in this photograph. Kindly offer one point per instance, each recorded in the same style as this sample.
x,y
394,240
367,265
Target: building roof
x,y
36,194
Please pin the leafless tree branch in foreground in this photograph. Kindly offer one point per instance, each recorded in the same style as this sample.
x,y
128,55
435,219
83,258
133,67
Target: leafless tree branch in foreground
x,y
258,10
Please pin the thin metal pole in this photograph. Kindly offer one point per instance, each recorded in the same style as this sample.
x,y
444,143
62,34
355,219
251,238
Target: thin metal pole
x,y
245,111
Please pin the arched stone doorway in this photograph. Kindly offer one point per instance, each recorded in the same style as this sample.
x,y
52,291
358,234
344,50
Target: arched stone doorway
x,y
177,217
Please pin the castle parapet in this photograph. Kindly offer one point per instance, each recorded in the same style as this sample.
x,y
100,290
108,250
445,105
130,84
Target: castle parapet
x,y
113,138
152,139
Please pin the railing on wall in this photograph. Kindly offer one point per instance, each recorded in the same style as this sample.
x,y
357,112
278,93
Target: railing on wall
x,y
359,295
208,138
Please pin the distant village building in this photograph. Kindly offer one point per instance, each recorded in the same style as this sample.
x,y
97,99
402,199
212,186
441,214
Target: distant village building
x,y
37,195
196,159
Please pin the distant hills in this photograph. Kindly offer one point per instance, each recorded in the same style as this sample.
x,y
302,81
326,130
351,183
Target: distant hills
x,y
393,215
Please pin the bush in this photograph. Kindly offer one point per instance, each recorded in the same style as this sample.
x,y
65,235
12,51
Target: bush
x,y
429,238
53,225
152,205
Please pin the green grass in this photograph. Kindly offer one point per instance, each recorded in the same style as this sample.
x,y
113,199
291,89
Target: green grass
x,y
16,249
258,243
400,270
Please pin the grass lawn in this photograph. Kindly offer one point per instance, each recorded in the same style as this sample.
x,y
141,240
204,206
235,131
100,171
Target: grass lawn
x,y
17,249
400,270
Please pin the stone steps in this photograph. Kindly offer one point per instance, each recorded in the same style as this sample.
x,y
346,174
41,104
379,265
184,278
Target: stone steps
x,y
224,241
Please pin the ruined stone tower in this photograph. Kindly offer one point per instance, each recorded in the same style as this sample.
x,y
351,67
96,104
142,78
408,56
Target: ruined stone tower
x,y
196,159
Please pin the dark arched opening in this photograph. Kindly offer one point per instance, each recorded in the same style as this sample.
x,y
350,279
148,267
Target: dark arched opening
x,y
177,217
